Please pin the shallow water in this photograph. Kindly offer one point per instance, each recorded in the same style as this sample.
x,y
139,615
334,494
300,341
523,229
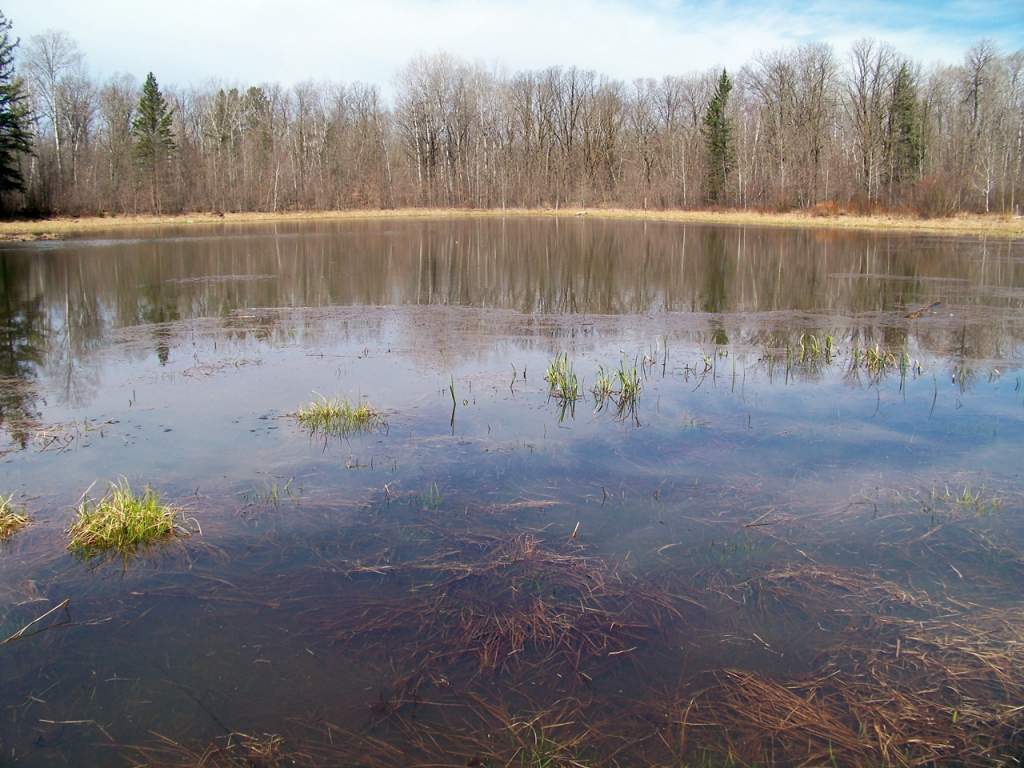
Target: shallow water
x,y
176,358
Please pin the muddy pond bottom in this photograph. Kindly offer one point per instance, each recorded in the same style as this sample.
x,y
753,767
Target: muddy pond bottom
x,y
593,493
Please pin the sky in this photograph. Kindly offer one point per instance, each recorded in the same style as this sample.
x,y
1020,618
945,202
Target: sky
x,y
252,41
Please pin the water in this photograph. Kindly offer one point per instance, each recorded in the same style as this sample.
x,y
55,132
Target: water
x,y
770,506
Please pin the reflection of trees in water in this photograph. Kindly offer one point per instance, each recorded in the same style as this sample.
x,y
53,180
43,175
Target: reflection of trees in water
x,y
557,266
77,331
23,339
716,277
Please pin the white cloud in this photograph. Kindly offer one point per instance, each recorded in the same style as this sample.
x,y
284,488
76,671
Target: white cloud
x,y
267,40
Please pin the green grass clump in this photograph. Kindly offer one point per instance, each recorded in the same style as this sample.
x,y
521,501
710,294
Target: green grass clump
x,y
814,351
603,388
620,385
122,521
337,416
875,359
810,348
12,519
629,382
561,379
971,500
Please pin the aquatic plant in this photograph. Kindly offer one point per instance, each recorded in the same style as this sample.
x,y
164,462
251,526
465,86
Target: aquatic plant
x,y
603,387
970,500
122,521
271,494
561,379
339,417
520,602
431,498
235,750
621,385
830,348
887,674
628,380
810,348
12,517
900,678
877,359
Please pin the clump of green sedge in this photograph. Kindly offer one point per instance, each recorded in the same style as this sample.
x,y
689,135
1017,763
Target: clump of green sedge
x,y
337,416
122,521
561,379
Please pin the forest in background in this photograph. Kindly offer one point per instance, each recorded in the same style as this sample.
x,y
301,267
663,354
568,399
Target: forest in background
x,y
866,130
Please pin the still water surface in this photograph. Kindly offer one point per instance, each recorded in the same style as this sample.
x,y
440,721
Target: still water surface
x,y
771,517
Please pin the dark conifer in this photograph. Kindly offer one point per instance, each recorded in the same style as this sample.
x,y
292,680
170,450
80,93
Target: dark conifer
x,y
15,135
906,147
721,154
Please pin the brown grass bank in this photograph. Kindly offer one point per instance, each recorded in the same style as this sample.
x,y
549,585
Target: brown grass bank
x,y
1001,226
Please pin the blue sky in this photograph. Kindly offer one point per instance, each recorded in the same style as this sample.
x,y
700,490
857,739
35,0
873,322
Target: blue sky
x,y
242,41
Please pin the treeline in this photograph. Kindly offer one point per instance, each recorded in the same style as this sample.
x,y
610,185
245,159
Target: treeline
x,y
865,130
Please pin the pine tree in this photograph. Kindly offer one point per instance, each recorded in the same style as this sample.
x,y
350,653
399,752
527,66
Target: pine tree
x,y
15,136
154,140
905,144
721,154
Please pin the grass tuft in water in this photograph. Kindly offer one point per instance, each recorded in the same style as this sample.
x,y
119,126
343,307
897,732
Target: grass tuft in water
x,y
12,517
628,380
878,360
811,349
969,501
830,348
122,521
337,416
561,379
603,389
621,385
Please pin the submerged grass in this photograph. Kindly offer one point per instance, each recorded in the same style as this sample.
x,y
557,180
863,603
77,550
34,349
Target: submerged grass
x,y
899,677
970,501
881,673
337,416
519,603
122,521
12,518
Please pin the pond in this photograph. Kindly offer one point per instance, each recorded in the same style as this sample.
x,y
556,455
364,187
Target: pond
x,y
633,493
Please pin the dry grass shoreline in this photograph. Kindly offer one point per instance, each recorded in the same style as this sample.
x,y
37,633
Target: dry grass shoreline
x,y
1001,226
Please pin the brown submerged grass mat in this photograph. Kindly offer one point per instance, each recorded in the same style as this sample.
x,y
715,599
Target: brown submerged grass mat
x,y
898,676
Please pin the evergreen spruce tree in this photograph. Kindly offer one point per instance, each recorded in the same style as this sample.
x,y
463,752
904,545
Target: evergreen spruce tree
x,y
154,141
905,145
721,154
15,135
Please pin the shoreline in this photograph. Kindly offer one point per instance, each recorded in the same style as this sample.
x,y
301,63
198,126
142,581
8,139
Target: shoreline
x,y
979,225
